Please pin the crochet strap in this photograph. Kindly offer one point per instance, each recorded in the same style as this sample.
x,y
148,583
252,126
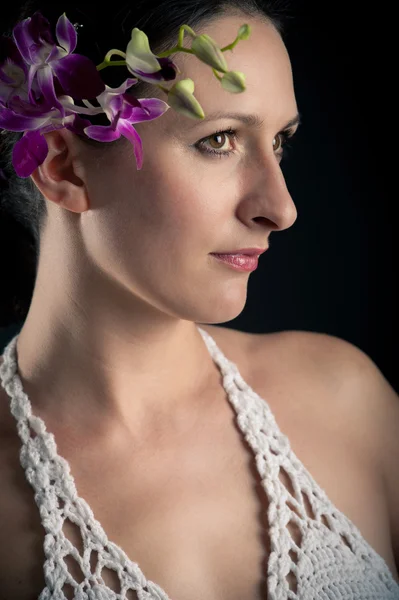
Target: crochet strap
x,y
311,541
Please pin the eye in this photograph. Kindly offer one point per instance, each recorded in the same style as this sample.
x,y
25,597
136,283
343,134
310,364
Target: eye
x,y
280,143
217,141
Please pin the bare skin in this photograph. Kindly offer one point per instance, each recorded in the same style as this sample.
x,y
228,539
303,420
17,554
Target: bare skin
x,y
217,550
111,309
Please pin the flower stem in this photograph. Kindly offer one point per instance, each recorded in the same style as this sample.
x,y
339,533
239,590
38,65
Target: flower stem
x,y
116,63
220,77
183,29
179,47
164,89
231,46
173,50
111,63
116,52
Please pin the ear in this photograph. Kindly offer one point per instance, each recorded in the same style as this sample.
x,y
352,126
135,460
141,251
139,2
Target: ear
x,y
57,177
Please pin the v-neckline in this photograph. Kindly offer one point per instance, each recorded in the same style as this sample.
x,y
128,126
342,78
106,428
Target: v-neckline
x,y
257,423
233,384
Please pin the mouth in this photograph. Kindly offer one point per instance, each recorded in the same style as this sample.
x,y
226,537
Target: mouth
x,y
243,252
239,262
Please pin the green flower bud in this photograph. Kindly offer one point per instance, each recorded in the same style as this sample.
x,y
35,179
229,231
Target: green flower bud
x,y
234,82
138,54
207,50
181,99
244,32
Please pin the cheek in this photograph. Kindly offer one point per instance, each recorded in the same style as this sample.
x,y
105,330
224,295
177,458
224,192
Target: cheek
x,y
189,212
173,202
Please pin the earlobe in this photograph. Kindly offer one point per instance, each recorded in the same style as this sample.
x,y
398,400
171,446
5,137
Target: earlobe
x,y
56,177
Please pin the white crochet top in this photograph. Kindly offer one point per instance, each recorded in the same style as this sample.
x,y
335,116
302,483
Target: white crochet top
x,y
324,565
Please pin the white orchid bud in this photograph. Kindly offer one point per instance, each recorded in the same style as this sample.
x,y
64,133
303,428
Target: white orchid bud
x,y
244,32
207,50
234,82
139,57
182,100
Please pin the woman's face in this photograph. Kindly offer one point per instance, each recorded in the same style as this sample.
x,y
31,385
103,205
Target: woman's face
x,y
154,230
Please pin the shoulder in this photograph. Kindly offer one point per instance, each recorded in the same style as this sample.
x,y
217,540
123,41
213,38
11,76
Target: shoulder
x,y
334,382
330,359
342,365
360,399
356,382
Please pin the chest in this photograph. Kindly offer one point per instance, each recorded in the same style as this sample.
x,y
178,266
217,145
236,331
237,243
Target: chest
x,y
192,514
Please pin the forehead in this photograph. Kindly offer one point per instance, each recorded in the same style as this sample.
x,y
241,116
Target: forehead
x,y
263,59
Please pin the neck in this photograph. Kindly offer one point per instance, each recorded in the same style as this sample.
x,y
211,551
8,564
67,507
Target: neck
x,y
89,371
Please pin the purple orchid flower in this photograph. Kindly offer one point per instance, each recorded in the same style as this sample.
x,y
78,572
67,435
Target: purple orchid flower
x,y
13,73
123,110
40,80
31,150
76,74
167,71
143,63
35,120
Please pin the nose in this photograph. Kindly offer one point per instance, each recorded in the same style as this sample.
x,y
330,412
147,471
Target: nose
x,y
267,190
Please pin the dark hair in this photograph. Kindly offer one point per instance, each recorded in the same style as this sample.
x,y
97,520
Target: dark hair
x,y
22,207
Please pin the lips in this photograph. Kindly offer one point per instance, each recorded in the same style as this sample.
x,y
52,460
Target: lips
x,y
243,252
240,262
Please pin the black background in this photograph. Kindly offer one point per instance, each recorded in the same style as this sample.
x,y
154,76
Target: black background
x,y
334,270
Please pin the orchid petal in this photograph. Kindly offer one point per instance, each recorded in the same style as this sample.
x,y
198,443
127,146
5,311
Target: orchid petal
x,y
22,40
39,53
66,34
5,93
133,101
46,85
12,82
52,127
113,106
6,79
56,53
28,153
12,74
139,55
167,72
78,76
122,88
32,37
102,133
14,122
32,72
169,69
148,77
129,132
41,29
21,107
132,109
78,125
112,98
68,103
155,107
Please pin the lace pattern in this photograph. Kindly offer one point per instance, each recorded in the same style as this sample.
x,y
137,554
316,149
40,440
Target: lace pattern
x,y
310,538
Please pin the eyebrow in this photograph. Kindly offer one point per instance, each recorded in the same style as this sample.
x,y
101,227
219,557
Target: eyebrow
x,y
251,120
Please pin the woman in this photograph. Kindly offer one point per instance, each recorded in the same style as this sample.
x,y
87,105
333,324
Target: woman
x,y
150,488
